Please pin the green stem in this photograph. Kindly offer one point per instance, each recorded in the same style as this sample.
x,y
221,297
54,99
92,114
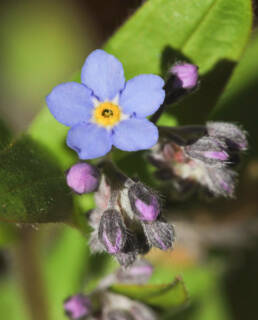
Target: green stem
x,y
28,266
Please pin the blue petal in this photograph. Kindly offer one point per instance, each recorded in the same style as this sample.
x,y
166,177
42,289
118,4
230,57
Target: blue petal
x,y
135,134
89,140
104,74
142,95
70,103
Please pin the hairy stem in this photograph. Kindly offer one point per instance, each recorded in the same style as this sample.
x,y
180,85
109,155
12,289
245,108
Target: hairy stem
x,y
158,113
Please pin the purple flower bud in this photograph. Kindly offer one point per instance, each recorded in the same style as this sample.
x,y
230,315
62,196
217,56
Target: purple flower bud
x,y
186,75
210,150
221,181
77,306
160,234
138,273
234,136
144,203
83,178
112,231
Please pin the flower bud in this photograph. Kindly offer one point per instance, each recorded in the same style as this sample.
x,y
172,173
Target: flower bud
x,y
83,178
160,234
221,181
138,273
186,75
209,150
144,203
112,231
234,136
118,314
77,306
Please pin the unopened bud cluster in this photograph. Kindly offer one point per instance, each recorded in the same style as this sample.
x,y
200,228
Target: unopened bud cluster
x,y
128,222
205,155
102,304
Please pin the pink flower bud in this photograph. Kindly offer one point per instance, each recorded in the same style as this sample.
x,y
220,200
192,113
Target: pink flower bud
x,y
145,204
112,231
160,234
83,178
77,306
186,75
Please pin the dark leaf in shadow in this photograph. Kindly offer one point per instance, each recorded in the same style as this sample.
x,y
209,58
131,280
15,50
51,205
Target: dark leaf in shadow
x,y
32,187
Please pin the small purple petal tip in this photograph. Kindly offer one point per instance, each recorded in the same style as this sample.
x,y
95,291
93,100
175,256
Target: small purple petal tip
x,y
210,150
186,75
220,155
83,178
112,231
145,204
149,212
77,306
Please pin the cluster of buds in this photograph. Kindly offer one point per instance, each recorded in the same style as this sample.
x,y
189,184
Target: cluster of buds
x,y
102,304
203,155
127,221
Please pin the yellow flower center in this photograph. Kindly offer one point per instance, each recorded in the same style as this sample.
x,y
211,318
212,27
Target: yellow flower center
x,y
107,114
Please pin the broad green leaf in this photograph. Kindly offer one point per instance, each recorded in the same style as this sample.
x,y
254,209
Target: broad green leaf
x,y
163,296
239,103
209,33
32,187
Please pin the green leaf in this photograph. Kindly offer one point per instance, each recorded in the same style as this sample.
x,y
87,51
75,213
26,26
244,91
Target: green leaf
x,y
32,187
201,279
209,33
239,101
163,296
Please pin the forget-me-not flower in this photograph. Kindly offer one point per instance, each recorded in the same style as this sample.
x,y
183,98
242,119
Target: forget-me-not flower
x,y
104,110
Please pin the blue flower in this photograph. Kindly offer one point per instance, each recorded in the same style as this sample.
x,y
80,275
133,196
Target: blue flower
x,y
104,110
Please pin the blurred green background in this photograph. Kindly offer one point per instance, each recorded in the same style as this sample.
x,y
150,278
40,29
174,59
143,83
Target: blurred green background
x,y
42,44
